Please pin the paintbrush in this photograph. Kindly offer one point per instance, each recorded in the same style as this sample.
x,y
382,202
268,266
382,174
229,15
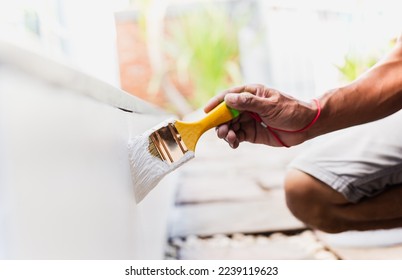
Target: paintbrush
x,y
169,145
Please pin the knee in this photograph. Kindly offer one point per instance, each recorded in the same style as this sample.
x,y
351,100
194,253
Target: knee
x,y
312,202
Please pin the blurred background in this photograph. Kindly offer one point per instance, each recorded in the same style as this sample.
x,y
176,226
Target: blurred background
x,y
175,54
179,53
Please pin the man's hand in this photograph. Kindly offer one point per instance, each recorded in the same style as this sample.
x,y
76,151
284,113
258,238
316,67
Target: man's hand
x,y
276,109
374,95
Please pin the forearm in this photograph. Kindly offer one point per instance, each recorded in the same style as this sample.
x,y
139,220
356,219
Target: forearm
x,y
376,94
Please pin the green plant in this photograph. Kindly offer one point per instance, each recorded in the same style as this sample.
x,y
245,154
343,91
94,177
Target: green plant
x,y
353,66
203,44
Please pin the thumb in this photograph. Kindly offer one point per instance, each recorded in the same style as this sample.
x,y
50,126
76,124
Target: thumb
x,y
245,102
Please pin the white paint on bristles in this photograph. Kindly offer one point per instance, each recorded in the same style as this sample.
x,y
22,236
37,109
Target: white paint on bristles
x,y
147,170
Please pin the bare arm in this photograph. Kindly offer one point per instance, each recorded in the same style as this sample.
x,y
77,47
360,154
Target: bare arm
x,y
374,95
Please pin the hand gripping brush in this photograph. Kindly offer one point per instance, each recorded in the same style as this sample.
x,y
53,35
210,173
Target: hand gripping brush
x,y
169,145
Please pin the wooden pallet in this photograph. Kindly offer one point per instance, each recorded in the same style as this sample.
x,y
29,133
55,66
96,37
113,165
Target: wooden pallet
x,y
267,214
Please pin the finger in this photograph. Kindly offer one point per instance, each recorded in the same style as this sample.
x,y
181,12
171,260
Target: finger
x,y
236,126
251,88
217,99
231,138
246,102
236,144
213,102
241,135
222,131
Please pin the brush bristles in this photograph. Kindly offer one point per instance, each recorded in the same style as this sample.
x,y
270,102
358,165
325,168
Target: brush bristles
x,y
146,163
166,144
153,151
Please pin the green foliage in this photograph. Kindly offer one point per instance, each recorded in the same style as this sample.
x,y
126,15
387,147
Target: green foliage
x,y
143,7
354,66
204,46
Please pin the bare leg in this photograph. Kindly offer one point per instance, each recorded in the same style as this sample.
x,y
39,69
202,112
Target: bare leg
x,y
319,206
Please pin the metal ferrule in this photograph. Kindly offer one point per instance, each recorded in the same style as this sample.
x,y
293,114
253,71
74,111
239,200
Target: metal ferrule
x,y
168,143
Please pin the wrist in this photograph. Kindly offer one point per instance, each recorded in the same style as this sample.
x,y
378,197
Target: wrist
x,y
313,118
324,124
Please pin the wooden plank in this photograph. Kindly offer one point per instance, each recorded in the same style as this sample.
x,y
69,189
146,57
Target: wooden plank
x,y
270,179
220,173
364,245
268,251
215,154
374,253
269,214
254,247
202,189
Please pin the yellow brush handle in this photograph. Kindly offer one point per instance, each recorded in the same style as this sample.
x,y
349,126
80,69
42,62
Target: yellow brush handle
x,y
190,132
219,115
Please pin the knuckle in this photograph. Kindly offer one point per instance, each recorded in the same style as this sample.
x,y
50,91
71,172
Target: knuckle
x,y
247,99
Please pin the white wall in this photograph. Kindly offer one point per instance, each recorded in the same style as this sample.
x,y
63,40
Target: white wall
x,y
65,184
90,36
81,31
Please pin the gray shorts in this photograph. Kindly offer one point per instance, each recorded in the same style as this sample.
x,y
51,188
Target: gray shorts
x,y
358,162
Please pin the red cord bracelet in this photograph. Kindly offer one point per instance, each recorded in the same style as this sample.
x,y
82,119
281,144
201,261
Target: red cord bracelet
x,y
272,130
